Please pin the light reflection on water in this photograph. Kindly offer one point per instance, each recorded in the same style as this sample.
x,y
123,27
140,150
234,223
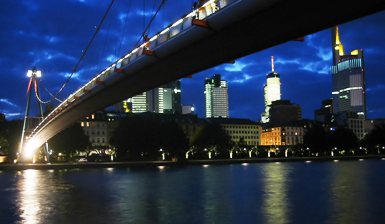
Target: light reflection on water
x,y
349,185
275,203
29,198
36,194
344,192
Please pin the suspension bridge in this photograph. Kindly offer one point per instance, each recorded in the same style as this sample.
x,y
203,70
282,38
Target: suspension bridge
x,y
216,32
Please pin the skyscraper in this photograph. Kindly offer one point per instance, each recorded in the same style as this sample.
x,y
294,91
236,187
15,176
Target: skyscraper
x,y
348,79
272,91
217,100
136,104
163,99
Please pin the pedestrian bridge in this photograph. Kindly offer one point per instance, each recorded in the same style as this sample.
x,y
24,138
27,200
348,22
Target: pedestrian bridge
x,y
218,32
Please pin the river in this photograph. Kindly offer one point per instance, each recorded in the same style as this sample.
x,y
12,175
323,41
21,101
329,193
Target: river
x,y
285,192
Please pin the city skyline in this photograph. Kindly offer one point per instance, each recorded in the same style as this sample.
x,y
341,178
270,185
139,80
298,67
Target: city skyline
x,y
304,66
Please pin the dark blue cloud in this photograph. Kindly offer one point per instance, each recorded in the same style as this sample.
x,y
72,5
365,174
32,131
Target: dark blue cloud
x,y
52,34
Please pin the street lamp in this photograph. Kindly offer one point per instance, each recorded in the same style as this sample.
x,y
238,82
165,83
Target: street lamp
x,y
27,148
34,73
163,154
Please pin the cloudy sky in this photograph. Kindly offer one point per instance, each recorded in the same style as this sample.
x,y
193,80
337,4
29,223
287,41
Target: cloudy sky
x,y
52,34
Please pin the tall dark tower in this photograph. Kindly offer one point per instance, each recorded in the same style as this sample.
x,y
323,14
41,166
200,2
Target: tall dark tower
x,y
31,122
348,79
348,86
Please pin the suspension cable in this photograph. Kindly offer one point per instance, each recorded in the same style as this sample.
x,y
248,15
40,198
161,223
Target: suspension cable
x,y
53,96
150,22
84,52
50,99
37,95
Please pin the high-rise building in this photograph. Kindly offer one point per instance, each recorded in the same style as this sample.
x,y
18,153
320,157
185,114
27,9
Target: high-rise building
x,y
136,104
217,100
164,99
348,79
272,91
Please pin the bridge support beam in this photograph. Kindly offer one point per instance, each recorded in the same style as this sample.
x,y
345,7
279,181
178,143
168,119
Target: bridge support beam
x,y
201,23
33,74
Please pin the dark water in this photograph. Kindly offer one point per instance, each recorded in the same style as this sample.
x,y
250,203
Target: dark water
x,y
290,192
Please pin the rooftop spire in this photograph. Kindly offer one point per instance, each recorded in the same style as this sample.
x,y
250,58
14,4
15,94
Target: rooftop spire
x,y
272,63
338,45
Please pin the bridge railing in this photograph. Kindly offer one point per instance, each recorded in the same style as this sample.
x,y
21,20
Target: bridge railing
x,y
173,30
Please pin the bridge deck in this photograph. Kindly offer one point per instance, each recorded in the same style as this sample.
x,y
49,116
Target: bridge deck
x,y
236,28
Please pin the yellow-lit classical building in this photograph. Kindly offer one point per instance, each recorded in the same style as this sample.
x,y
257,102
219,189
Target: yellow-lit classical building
x,y
282,135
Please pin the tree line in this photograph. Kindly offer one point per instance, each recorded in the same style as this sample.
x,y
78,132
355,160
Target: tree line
x,y
148,137
323,140
154,136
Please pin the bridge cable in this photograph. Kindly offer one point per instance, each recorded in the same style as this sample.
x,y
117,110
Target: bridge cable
x,y
52,96
150,22
84,52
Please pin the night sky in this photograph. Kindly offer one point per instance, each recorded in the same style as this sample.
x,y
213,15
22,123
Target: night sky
x,y
52,34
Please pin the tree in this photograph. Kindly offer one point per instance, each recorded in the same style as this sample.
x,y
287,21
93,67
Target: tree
x,y
375,139
316,139
142,137
4,145
173,139
2,117
134,137
70,140
10,134
213,136
343,139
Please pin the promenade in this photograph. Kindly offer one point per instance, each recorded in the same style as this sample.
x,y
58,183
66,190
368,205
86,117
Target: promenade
x,y
84,165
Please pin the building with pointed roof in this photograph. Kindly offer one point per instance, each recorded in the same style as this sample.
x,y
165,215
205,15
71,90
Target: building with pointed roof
x,y
348,79
348,86
272,91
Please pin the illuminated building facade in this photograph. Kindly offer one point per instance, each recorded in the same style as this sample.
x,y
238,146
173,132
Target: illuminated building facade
x,y
282,135
99,127
348,86
164,99
136,104
272,91
216,96
348,79
243,131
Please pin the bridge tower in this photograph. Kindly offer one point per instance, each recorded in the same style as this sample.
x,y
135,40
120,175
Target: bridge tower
x,y
31,122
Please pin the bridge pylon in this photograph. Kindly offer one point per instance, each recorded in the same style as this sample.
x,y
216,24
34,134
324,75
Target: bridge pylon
x,y
30,122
